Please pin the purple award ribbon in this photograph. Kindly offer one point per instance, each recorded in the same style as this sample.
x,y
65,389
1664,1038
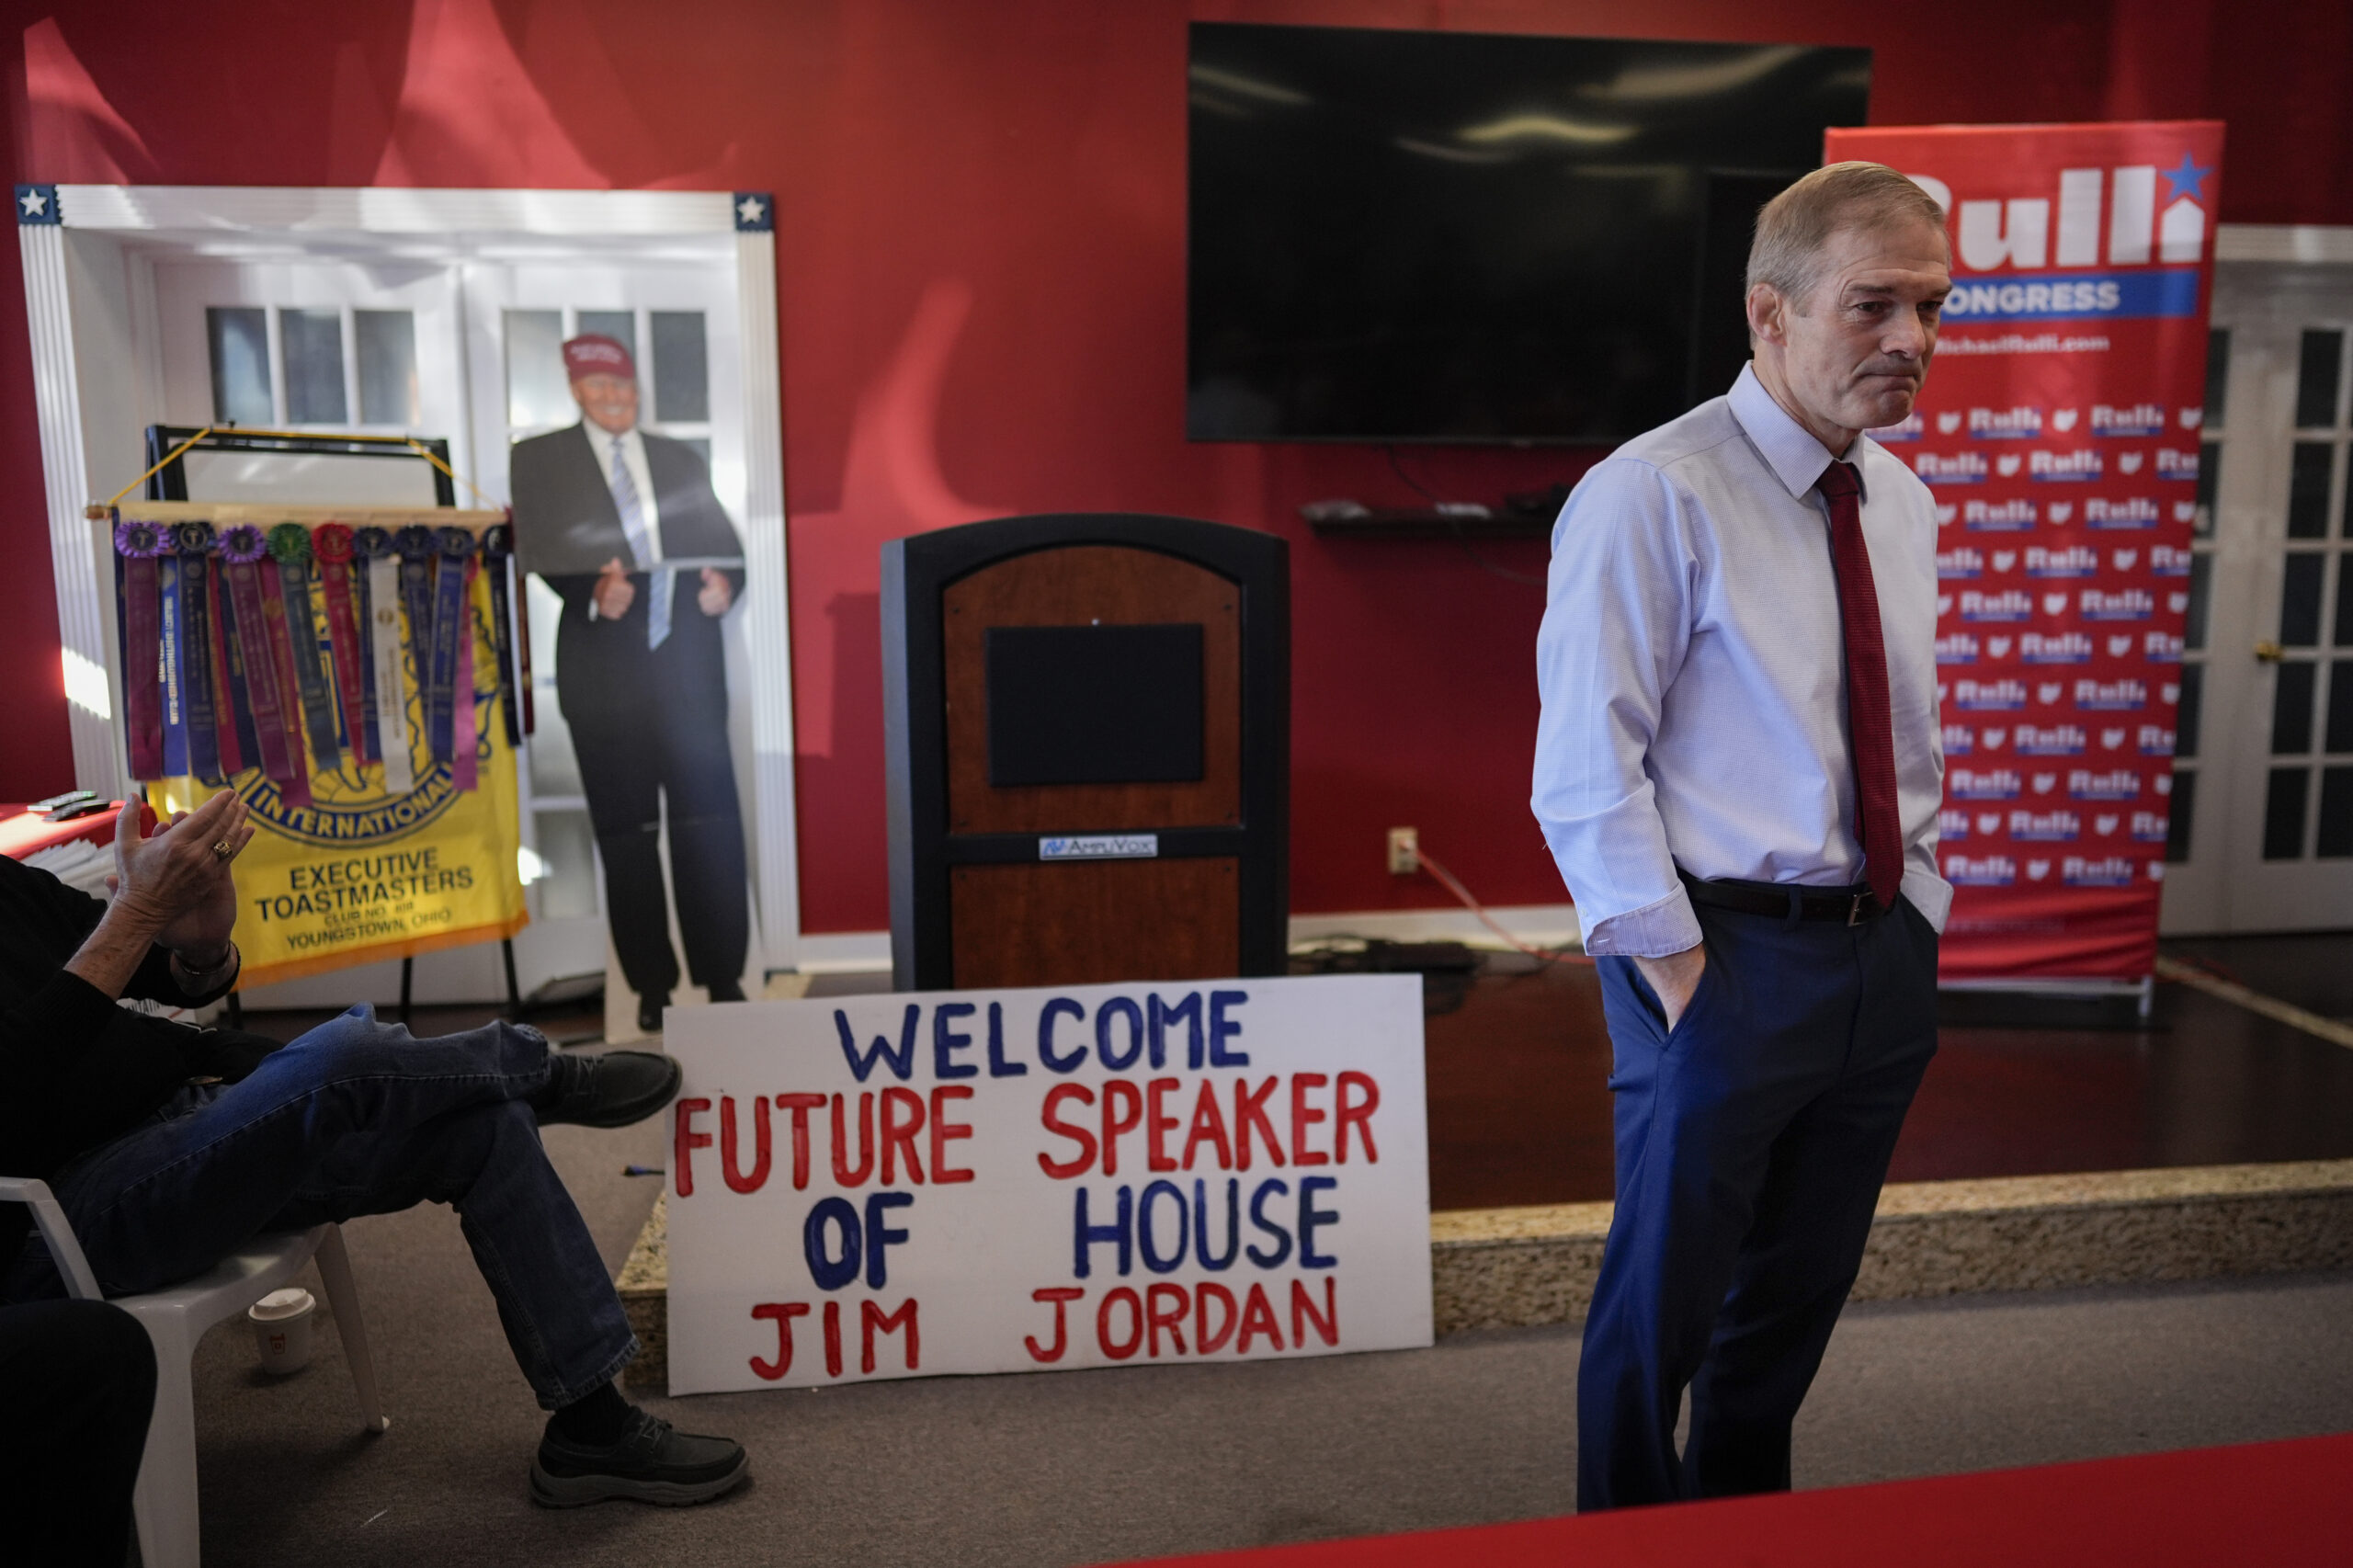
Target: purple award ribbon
x,y
194,542
136,546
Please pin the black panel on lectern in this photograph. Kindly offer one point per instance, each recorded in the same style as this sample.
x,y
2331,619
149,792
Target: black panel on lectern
x,y
1094,704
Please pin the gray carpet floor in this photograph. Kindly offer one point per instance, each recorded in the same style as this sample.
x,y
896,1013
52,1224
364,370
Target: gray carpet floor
x,y
1085,1467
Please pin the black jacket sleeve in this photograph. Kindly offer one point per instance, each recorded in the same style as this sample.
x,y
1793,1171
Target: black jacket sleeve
x,y
75,1068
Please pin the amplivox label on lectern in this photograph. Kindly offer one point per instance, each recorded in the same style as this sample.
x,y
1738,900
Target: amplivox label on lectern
x,y
1001,1181
1100,847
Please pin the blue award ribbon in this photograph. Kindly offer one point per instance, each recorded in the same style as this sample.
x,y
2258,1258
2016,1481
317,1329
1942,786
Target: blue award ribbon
x,y
172,643
452,621
497,551
194,541
368,544
236,702
415,544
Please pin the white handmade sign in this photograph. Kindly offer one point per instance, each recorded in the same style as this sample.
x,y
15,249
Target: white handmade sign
x,y
999,1181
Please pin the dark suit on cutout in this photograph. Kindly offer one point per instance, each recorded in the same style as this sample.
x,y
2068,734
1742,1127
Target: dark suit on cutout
x,y
646,722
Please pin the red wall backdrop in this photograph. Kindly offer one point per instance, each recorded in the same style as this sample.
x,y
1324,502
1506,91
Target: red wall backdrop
x,y
980,237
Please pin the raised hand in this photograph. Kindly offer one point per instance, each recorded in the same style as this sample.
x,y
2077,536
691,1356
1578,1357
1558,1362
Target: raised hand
x,y
718,592
179,876
613,593
171,886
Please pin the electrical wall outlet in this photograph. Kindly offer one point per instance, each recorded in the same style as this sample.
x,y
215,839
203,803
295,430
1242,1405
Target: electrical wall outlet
x,y
1404,851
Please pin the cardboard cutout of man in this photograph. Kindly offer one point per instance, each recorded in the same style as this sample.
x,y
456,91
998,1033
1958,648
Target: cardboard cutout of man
x,y
640,670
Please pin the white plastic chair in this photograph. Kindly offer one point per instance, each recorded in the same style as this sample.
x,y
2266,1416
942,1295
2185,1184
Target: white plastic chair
x,y
175,1318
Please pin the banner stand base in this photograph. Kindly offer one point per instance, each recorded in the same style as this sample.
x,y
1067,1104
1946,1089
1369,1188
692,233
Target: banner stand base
x,y
2145,989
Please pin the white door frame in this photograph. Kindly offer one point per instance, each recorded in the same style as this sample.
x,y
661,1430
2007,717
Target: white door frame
x,y
82,341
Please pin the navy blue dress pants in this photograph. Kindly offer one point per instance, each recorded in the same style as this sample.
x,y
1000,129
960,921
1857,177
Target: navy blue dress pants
x,y
1752,1140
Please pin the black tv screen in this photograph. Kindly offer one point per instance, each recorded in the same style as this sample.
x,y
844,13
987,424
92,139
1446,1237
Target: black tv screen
x,y
1420,236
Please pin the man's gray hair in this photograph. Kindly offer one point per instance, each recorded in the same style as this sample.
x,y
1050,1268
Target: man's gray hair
x,y
1795,228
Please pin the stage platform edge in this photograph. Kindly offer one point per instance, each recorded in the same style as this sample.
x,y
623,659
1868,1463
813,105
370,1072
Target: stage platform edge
x,y
1518,1267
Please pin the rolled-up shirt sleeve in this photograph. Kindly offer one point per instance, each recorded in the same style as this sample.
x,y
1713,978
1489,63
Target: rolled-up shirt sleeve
x,y
1616,625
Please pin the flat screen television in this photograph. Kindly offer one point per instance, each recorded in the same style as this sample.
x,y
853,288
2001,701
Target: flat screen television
x,y
1436,236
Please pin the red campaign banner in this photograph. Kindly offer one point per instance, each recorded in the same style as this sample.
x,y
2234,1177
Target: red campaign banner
x,y
2059,430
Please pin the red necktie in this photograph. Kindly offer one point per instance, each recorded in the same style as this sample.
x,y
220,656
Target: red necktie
x,y
1870,731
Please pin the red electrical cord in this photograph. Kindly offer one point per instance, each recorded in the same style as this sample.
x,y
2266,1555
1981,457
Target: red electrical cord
x,y
1453,885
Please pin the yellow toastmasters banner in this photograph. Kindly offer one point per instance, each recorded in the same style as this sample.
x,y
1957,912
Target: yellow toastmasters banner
x,y
364,868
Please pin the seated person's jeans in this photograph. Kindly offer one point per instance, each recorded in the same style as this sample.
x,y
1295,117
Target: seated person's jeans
x,y
357,1117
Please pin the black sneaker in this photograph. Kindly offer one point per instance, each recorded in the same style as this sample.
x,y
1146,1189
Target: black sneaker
x,y
653,1463
612,1088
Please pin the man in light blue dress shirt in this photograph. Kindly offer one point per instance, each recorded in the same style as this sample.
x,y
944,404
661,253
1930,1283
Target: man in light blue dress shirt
x,y
1738,772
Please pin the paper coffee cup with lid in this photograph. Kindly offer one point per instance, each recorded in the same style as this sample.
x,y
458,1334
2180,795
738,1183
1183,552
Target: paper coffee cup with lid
x,y
283,1322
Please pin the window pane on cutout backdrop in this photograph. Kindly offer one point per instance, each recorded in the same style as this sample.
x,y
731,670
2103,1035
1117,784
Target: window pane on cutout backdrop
x,y
387,341
239,339
681,368
618,325
568,846
538,393
312,344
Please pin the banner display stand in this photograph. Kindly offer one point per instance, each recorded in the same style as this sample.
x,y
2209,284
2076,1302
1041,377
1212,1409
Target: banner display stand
x,y
349,672
2059,433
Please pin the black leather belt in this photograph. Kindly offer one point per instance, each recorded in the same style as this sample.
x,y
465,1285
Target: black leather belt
x,y
1849,906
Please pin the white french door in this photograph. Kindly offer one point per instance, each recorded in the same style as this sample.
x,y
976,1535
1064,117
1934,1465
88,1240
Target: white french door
x,y
470,351
2262,831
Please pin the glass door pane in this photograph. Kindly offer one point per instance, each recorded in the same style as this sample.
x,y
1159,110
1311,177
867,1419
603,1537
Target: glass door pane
x,y
312,344
681,369
387,348
239,341
539,395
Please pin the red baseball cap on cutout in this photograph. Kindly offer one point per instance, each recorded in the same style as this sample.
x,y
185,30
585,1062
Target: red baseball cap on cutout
x,y
593,354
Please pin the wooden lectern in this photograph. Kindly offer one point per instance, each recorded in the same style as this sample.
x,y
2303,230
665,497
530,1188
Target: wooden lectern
x,y
1087,723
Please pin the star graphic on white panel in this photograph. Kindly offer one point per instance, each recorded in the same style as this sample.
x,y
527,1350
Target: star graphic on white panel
x,y
34,203
751,209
